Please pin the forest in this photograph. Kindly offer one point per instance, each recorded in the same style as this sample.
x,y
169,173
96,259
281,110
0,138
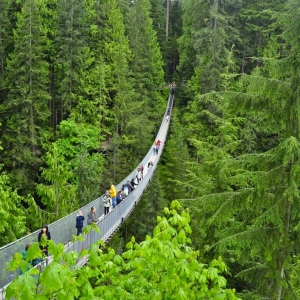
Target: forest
x,y
83,87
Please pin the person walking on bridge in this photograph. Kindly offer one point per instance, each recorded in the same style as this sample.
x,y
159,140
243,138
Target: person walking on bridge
x,y
107,202
119,197
129,187
142,171
91,217
43,238
133,183
138,175
113,195
79,222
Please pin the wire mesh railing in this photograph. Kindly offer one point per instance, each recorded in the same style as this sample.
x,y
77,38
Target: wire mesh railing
x,y
63,229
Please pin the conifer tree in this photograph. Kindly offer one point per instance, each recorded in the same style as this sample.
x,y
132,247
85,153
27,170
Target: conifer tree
x,y
256,23
4,25
208,36
13,217
71,54
49,14
248,206
174,161
59,196
146,64
26,108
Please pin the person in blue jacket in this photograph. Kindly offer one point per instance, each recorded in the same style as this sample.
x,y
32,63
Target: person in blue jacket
x,y
79,222
119,197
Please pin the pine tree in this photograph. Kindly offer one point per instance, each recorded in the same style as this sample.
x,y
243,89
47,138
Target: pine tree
x,y
49,14
174,161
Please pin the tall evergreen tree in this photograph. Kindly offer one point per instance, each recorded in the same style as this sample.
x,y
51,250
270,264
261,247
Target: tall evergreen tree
x,y
174,161
208,36
147,60
49,14
4,25
248,206
71,53
12,213
26,108
59,196
256,23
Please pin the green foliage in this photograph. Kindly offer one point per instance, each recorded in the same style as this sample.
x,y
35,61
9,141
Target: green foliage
x,y
163,266
256,23
72,52
59,196
74,167
13,217
147,63
26,107
205,43
175,160
151,204
246,196
4,24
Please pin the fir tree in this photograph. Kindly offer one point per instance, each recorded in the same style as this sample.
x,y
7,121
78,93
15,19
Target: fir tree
x,y
71,52
26,108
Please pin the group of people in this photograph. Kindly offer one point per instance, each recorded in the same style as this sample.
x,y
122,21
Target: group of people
x,y
156,146
111,199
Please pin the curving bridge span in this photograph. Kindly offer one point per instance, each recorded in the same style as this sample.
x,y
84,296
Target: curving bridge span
x,y
63,229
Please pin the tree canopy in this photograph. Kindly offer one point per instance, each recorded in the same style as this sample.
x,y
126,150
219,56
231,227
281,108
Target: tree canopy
x,y
164,266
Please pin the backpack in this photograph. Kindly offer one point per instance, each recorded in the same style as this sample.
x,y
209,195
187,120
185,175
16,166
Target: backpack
x,y
126,191
90,219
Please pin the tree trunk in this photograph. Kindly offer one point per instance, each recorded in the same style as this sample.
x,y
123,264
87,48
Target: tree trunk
x,y
30,86
285,250
167,19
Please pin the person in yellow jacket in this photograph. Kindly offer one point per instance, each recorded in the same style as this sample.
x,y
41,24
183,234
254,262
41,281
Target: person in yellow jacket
x,y
113,195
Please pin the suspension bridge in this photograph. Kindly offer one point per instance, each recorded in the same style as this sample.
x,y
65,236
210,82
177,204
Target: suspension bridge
x,y
63,229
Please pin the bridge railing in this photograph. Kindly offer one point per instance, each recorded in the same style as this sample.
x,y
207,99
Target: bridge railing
x,y
63,229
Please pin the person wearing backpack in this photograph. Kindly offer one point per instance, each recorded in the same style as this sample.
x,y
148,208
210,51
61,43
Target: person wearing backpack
x,y
129,187
107,202
91,217
133,183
